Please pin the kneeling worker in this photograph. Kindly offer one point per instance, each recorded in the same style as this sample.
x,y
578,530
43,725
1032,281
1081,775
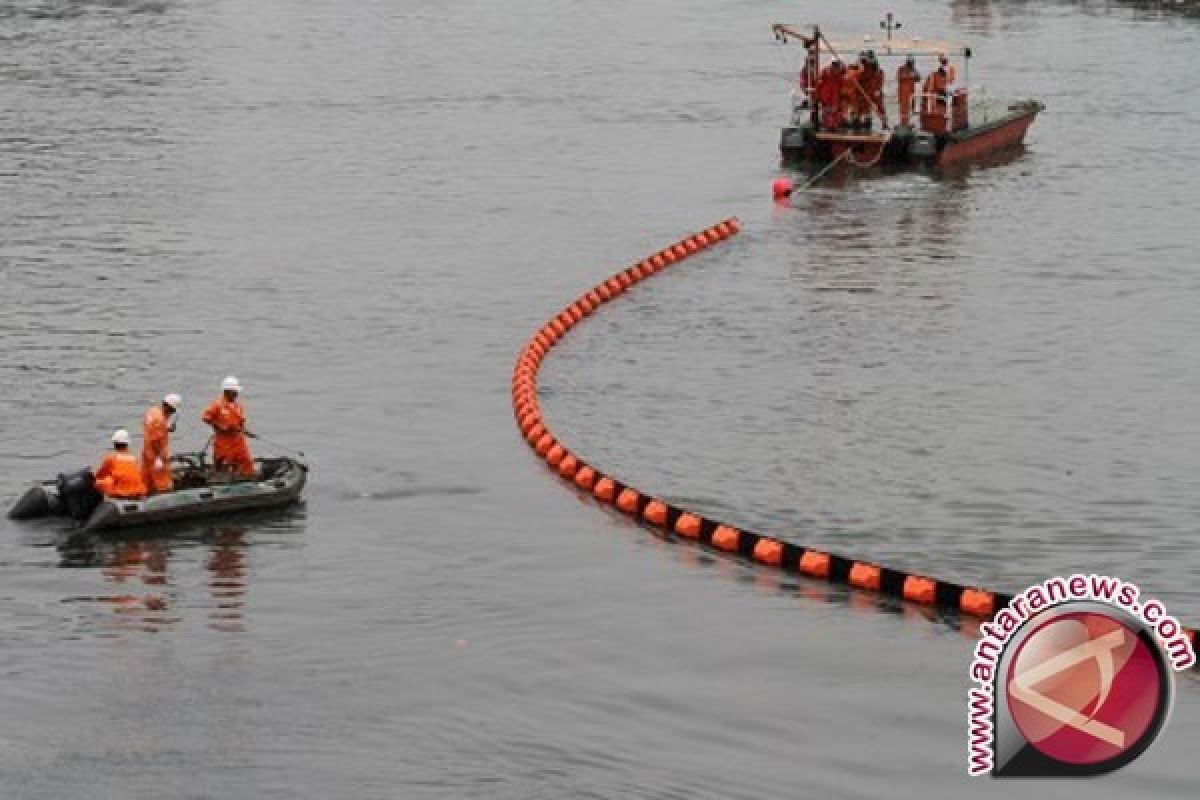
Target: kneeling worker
x,y
119,474
157,426
228,421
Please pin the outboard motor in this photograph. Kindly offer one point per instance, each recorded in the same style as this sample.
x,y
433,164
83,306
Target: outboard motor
x,y
78,493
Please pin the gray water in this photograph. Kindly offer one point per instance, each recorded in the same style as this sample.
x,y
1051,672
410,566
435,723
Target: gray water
x,y
363,209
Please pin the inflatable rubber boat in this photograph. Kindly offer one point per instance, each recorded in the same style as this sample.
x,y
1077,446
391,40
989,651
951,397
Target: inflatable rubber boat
x,y
200,491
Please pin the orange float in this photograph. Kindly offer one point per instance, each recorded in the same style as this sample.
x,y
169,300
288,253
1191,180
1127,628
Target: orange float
x,y
766,551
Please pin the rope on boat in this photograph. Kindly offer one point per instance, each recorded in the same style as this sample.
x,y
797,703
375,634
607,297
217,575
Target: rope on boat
x,y
873,162
764,550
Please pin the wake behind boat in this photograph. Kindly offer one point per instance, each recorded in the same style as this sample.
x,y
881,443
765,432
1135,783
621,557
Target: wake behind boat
x,y
200,491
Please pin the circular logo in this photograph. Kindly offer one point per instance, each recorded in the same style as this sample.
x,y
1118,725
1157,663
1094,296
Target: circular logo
x,y
1086,689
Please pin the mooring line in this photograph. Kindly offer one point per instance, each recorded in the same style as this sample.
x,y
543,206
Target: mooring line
x,y
768,551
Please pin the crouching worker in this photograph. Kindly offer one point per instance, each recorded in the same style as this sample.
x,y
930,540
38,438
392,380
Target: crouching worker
x,y
157,426
228,421
120,474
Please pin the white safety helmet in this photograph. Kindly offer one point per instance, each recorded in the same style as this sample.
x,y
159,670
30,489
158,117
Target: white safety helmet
x,y
230,384
174,401
120,437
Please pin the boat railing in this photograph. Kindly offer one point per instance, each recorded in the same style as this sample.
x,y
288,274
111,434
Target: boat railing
x,y
982,107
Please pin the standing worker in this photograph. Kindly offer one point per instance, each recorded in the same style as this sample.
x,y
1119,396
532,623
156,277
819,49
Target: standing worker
x,y
829,95
907,79
870,92
852,91
119,474
951,73
936,91
228,421
157,425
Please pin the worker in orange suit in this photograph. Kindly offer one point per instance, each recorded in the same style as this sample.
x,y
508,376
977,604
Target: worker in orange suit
x,y
228,421
829,94
869,98
851,92
907,79
936,91
120,474
951,73
157,426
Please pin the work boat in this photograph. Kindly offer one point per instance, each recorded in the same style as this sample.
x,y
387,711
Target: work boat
x,y
199,491
941,128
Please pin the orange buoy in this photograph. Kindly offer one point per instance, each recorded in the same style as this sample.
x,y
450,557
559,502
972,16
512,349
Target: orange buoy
x,y
656,513
544,444
627,500
605,489
815,564
624,279
769,552
585,478
691,246
688,526
535,433
657,261
977,602
604,292
680,251
726,538
568,466
555,454
920,590
865,576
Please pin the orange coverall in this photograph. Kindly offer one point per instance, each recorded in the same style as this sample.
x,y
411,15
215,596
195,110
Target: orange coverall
x,y
906,84
229,442
120,475
155,432
935,91
829,95
850,91
870,81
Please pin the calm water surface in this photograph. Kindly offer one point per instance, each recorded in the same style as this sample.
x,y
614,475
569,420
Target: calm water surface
x,y
363,209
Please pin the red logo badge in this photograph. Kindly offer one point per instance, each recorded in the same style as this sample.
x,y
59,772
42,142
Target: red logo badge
x,y
1085,692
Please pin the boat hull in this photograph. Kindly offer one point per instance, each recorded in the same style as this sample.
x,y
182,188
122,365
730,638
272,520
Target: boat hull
x,y
974,144
910,147
281,483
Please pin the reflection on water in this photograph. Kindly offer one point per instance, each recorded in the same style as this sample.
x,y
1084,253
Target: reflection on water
x,y
142,588
876,231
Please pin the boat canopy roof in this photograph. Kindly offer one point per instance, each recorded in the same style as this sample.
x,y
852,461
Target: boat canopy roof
x,y
895,46
903,47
